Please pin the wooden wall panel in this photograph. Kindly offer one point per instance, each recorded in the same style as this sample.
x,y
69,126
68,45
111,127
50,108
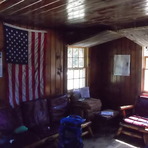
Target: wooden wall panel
x,y
94,72
2,79
54,65
115,90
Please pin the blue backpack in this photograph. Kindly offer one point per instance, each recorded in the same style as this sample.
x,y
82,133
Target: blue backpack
x,y
70,132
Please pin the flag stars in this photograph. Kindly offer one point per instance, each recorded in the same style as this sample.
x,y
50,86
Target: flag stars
x,y
17,45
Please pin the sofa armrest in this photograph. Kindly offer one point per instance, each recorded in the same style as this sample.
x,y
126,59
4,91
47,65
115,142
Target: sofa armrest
x,y
125,108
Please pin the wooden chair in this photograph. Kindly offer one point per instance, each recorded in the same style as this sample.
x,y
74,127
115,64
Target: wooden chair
x,y
135,120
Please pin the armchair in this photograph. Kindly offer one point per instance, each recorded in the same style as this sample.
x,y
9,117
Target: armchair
x,y
135,119
82,104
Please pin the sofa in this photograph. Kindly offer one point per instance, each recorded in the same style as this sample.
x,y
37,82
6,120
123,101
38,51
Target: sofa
x,y
35,124
135,119
32,123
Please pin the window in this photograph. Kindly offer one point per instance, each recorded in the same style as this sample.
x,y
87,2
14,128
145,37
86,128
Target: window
x,y
75,9
76,67
145,69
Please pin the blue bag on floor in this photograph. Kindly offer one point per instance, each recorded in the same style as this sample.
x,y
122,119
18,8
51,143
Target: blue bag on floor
x,y
70,132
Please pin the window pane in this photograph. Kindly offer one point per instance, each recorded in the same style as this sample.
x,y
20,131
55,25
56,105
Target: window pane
x,y
75,62
75,52
145,51
69,84
69,62
82,83
69,52
81,52
76,70
76,74
81,62
76,83
146,80
82,73
70,74
146,63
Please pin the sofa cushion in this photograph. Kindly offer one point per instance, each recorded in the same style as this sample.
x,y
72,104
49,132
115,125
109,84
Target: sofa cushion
x,y
141,107
58,107
35,113
21,129
8,120
137,120
18,113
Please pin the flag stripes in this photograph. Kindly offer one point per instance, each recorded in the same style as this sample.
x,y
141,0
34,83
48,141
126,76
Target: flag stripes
x,y
27,81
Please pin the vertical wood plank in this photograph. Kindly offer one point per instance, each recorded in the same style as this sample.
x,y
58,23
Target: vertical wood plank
x,y
62,64
3,83
48,65
53,64
58,65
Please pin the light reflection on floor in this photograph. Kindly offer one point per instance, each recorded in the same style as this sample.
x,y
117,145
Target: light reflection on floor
x,y
129,145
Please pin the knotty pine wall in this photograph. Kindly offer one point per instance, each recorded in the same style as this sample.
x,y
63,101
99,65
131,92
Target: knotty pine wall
x,y
115,90
55,65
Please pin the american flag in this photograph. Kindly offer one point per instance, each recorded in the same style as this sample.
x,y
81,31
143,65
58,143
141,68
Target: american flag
x,y
25,56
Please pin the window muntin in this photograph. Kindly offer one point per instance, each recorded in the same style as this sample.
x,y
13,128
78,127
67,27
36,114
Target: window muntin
x,y
76,72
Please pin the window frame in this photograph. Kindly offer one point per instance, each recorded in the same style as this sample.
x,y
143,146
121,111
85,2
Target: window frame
x,y
143,71
79,68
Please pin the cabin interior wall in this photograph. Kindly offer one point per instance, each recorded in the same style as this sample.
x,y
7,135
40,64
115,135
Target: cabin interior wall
x,y
111,89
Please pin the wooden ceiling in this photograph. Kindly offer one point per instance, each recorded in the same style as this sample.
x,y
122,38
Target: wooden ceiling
x,y
139,35
46,13
75,15
100,38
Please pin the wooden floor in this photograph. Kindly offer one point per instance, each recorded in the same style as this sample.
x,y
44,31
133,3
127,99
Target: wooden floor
x,y
104,137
